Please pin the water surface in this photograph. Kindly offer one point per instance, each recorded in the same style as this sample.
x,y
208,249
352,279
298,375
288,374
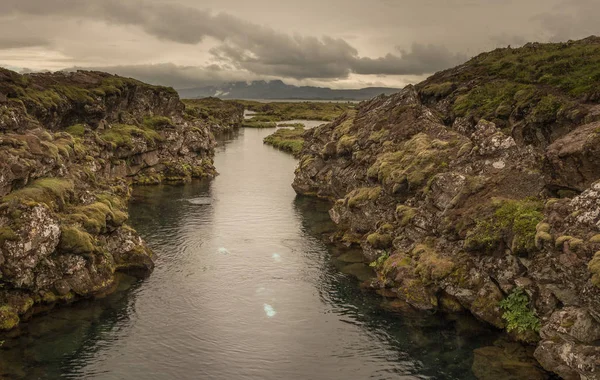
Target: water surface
x,y
244,288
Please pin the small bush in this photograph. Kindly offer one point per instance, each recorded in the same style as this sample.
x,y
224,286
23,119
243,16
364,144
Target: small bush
x,y
517,313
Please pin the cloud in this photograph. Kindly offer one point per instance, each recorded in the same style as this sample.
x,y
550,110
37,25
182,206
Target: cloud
x,y
421,59
18,42
572,19
169,74
244,45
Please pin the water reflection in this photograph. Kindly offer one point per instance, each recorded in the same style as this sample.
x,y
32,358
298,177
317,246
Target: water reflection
x,y
244,288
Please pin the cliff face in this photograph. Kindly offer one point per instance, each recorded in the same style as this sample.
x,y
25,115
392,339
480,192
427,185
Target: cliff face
x,y
478,189
71,144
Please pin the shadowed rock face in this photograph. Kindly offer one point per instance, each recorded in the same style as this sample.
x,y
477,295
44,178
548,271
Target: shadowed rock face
x,y
479,188
71,144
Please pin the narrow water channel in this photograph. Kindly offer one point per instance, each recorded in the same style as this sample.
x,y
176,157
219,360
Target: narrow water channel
x,y
244,288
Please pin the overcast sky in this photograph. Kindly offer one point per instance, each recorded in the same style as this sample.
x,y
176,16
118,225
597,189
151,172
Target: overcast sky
x,y
333,43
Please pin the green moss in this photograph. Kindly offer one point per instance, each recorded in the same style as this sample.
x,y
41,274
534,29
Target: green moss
x,y
594,269
51,191
96,217
9,319
561,240
121,135
517,313
512,220
77,130
430,265
7,234
345,144
595,239
413,164
158,122
405,214
379,241
361,195
74,240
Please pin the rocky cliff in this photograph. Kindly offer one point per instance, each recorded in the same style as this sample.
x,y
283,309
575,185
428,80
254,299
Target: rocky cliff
x,y
71,144
478,189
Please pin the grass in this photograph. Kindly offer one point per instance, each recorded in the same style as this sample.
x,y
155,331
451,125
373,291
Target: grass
x,y
282,111
287,140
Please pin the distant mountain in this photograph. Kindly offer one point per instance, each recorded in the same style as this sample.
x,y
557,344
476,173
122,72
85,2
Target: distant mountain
x,y
276,89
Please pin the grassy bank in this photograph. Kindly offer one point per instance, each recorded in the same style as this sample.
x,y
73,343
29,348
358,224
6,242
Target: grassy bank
x,y
287,140
282,111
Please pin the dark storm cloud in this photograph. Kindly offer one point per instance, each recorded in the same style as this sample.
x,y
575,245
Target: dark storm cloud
x,y
244,45
420,60
168,74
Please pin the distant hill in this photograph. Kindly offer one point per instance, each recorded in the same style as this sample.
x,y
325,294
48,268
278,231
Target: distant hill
x,y
276,89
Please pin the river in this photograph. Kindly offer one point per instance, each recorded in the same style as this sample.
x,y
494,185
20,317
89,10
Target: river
x,y
244,288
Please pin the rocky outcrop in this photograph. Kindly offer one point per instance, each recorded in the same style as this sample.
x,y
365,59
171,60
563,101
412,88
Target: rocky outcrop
x,y
479,189
71,144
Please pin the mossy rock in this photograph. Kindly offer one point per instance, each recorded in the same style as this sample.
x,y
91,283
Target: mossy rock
x,y
513,222
9,319
379,241
74,240
594,269
405,214
363,195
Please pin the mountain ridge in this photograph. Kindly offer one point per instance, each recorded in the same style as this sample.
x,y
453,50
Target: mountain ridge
x,y
277,89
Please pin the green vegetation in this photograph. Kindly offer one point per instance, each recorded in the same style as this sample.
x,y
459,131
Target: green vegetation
x,y
594,269
258,124
158,122
379,241
379,263
8,318
438,89
46,190
74,240
364,194
430,265
213,110
122,135
281,111
517,313
287,140
77,130
417,160
405,214
511,220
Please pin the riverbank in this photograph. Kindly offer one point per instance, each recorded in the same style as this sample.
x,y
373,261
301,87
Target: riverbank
x,y
477,190
72,145
245,287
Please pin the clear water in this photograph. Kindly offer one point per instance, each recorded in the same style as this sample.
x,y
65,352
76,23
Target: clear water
x,y
244,288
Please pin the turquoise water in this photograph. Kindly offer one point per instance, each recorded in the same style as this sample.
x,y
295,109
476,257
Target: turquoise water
x,y
244,288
